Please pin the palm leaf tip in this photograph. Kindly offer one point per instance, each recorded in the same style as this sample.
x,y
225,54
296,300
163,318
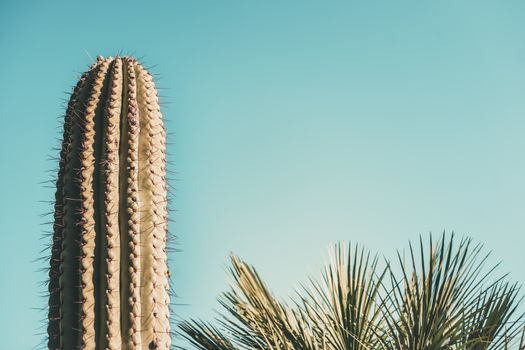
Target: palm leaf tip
x,y
204,336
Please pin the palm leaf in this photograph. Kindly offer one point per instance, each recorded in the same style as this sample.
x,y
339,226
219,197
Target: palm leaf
x,y
437,303
256,319
343,305
205,337
443,297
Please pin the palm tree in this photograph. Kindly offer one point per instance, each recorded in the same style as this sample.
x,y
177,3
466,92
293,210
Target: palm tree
x,y
441,297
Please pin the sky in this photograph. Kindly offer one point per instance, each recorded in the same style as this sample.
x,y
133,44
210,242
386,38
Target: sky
x,y
295,124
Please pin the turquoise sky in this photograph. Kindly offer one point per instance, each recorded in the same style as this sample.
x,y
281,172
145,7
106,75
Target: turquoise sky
x,y
296,124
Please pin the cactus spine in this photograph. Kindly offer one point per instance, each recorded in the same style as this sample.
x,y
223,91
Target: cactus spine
x,y
108,278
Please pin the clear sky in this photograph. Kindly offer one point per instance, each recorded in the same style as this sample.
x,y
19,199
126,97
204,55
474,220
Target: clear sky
x,y
296,123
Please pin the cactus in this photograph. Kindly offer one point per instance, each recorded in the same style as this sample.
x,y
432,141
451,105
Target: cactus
x,y
108,277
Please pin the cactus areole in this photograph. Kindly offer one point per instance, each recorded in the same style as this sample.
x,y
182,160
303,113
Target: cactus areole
x,y
108,278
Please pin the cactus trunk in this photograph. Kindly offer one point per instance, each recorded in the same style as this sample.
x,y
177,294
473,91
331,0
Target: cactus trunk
x,y
108,279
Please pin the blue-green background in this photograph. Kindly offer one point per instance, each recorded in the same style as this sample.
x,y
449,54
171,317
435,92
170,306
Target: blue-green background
x,y
296,124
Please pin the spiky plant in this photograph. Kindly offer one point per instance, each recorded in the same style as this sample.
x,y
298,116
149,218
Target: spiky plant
x,y
257,319
108,277
444,299
344,306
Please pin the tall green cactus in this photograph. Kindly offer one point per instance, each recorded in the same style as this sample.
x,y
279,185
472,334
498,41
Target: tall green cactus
x,y
108,278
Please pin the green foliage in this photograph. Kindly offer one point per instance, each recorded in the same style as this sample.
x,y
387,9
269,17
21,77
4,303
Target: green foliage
x,y
442,296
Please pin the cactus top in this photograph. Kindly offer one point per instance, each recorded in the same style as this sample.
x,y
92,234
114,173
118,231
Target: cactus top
x,y
108,278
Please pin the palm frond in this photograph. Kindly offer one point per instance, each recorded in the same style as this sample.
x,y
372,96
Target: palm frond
x,y
204,336
444,297
344,304
437,304
489,326
257,320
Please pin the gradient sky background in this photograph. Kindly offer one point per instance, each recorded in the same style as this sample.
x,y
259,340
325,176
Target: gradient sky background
x,y
297,124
